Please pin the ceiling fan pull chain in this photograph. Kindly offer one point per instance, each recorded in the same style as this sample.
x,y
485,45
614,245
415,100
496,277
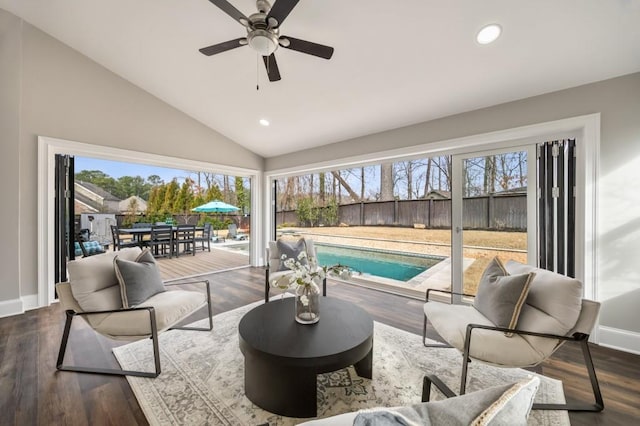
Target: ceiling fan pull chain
x,y
257,72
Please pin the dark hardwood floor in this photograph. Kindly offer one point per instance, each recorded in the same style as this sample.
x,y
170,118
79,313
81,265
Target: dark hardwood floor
x,y
33,393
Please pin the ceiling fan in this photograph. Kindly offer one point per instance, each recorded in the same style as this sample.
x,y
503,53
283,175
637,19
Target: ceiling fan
x,y
263,34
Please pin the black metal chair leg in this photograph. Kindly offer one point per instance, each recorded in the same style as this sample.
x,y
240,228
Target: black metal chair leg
x,y
266,285
430,379
108,371
595,386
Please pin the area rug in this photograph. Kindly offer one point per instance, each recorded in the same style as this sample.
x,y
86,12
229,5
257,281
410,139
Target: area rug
x,y
202,380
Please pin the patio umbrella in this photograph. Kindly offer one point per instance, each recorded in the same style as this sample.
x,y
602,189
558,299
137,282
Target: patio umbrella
x,y
216,207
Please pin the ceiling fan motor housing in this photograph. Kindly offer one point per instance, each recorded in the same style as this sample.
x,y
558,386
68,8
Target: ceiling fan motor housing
x,y
260,36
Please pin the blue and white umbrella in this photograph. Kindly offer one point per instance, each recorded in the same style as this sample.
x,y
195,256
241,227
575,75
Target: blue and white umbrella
x,y
216,207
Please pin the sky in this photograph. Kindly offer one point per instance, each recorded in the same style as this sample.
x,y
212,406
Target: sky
x,y
116,169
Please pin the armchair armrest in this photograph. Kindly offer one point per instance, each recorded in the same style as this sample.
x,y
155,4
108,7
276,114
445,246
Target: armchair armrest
x,y
446,291
210,310
167,284
110,311
574,336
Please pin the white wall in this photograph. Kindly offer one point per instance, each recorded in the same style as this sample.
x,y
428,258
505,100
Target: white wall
x,y
55,91
618,101
9,133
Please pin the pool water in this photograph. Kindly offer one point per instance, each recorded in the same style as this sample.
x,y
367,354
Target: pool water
x,y
401,267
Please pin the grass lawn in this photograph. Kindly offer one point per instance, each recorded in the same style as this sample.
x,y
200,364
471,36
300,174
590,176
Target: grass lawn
x,y
481,246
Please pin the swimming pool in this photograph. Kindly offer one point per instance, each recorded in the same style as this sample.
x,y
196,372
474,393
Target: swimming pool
x,y
394,265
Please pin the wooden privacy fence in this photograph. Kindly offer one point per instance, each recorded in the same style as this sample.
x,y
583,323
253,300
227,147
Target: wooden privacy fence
x,y
506,212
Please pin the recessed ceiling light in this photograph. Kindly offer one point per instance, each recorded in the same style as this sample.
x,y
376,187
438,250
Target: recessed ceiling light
x,y
489,33
264,122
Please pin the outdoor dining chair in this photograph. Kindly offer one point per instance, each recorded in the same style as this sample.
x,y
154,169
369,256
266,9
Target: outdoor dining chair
x,y
185,235
161,240
119,242
205,237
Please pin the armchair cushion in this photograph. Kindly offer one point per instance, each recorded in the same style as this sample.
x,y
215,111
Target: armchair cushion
x,y
93,280
450,321
139,279
170,307
291,250
558,296
500,296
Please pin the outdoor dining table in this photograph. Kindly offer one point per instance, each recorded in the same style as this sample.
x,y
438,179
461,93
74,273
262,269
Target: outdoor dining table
x,y
139,233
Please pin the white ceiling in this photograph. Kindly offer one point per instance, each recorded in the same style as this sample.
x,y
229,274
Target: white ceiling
x,y
395,62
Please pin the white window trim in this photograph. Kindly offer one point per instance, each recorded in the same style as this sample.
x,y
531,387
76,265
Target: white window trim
x,y
585,127
47,149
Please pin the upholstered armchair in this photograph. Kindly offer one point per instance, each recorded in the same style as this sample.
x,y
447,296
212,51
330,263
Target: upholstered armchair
x,y
519,317
275,268
121,296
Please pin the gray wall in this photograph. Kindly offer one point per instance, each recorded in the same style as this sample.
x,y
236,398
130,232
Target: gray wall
x,y
9,134
63,94
618,101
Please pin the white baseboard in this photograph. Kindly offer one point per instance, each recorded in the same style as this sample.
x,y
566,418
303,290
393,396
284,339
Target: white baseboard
x,y
30,302
622,340
11,307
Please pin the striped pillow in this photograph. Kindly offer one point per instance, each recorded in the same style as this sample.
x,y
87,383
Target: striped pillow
x,y
501,296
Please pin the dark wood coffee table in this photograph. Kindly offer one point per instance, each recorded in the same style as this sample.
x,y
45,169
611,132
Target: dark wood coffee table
x,y
282,357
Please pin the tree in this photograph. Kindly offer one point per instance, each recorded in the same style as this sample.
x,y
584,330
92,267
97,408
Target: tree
x,y
322,188
156,199
343,183
213,193
307,211
241,195
171,192
182,201
98,178
155,180
427,178
386,181
330,212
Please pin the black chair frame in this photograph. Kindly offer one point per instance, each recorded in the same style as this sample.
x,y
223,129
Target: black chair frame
x,y
581,338
70,314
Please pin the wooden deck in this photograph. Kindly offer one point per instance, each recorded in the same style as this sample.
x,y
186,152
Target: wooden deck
x,y
203,262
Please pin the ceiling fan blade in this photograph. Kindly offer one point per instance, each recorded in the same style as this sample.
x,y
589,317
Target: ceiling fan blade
x,y
222,47
281,9
308,47
226,7
272,67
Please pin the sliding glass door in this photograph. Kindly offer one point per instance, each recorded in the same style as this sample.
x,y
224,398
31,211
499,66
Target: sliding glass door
x,y
493,212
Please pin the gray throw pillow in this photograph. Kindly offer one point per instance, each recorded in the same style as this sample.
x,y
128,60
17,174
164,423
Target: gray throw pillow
x,y
500,296
139,280
291,250
499,405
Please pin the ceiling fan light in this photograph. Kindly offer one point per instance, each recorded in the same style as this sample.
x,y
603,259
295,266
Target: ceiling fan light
x,y
263,42
489,34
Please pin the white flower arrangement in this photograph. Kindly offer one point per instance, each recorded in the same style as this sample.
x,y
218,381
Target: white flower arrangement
x,y
304,273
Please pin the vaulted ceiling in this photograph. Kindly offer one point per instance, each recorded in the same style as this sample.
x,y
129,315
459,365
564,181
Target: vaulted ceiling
x,y
395,62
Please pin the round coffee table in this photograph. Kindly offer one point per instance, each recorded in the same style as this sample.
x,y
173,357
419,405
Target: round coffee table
x,y
282,357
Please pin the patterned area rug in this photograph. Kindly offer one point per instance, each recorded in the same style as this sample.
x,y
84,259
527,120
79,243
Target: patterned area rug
x,y
202,380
